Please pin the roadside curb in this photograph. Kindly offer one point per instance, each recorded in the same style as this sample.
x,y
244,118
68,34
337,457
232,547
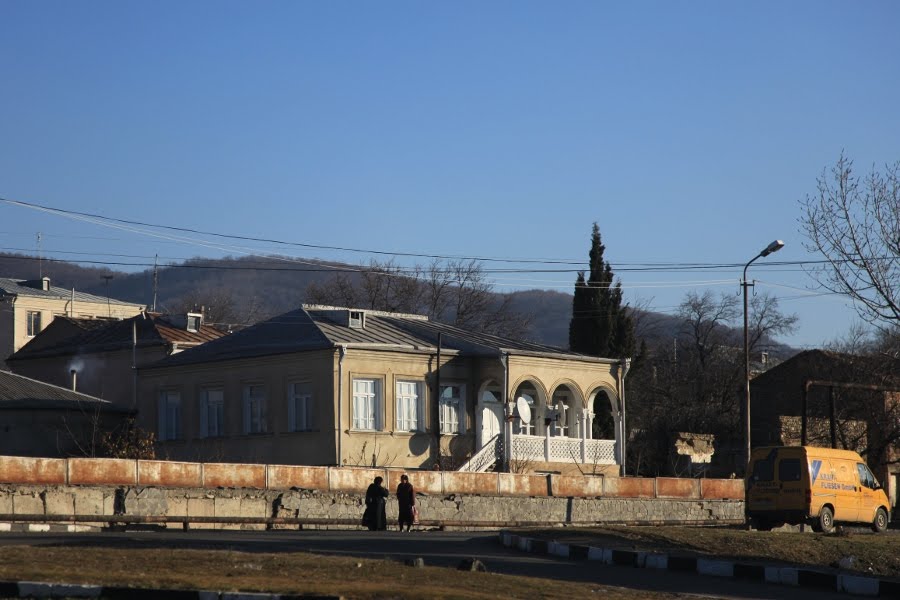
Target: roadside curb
x,y
858,585
38,589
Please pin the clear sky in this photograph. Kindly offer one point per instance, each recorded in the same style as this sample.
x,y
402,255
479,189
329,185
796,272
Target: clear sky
x,y
688,130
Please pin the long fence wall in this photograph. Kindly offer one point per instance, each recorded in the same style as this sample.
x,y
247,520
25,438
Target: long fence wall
x,y
168,474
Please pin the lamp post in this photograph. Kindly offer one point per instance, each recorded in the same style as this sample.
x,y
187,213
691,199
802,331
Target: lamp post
x,y
773,247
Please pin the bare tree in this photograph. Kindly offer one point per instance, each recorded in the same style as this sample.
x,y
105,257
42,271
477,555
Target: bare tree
x,y
854,224
453,292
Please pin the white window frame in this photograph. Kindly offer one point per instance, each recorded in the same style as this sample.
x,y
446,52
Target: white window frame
x,y
301,406
169,415
33,325
529,427
452,409
410,405
367,403
212,412
255,417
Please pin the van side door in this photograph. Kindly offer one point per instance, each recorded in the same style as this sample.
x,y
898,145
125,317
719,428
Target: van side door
x,y
868,496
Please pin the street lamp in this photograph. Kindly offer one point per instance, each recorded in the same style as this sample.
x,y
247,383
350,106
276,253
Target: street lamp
x,y
773,247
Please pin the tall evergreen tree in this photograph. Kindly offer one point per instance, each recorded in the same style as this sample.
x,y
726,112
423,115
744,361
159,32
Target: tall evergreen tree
x,y
600,325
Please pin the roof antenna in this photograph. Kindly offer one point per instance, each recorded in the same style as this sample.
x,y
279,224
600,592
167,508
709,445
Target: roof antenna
x,y
40,259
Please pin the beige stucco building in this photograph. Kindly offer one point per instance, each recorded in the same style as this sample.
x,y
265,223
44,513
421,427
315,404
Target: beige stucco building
x,y
336,386
27,307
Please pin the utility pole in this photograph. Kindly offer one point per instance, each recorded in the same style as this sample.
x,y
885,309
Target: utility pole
x,y
155,279
40,258
108,309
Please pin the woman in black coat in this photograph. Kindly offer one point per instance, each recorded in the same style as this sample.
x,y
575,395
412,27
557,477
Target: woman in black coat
x,y
406,501
374,516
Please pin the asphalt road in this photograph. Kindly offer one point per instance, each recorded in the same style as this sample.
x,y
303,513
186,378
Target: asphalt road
x,y
436,548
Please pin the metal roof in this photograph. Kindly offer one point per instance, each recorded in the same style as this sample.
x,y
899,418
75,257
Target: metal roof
x,y
314,329
18,287
17,391
100,336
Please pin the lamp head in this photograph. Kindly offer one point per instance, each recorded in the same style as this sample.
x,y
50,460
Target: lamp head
x,y
773,247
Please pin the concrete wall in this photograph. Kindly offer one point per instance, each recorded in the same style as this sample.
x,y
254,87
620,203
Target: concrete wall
x,y
166,474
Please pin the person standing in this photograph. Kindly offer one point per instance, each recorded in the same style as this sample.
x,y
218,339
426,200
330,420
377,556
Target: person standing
x,y
406,500
374,517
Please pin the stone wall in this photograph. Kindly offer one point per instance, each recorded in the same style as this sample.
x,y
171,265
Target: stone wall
x,y
450,510
82,486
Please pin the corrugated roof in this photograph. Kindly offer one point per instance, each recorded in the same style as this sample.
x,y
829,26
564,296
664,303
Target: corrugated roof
x,y
302,330
21,392
17,287
152,329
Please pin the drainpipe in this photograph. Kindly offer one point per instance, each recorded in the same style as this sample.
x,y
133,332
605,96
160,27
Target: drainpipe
x,y
72,304
134,364
437,411
624,366
342,350
507,420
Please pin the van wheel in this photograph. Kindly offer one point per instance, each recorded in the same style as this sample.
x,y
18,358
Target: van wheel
x,y
881,521
825,522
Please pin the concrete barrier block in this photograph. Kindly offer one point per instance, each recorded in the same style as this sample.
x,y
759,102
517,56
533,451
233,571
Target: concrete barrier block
x,y
285,477
423,482
102,471
6,503
479,484
177,506
58,502
628,487
226,507
233,475
858,586
201,507
576,487
782,575
163,473
349,479
33,471
671,487
512,484
27,504
256,507
716,568
722,489
90,502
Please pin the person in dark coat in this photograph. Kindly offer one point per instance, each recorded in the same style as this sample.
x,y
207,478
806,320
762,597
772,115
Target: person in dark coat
x,y
406,500
374,516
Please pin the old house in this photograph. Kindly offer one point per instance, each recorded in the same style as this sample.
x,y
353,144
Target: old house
x,y
100,357
337,386
38,419
27,307
861,393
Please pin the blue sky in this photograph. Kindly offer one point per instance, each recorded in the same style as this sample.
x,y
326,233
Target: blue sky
x,y
687,130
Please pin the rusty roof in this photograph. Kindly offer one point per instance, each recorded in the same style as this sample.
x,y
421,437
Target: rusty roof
x,y
101,336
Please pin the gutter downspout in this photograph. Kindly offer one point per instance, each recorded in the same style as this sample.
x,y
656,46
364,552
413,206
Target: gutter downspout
x,y
507,420
625,365
437,411
134,372
342,351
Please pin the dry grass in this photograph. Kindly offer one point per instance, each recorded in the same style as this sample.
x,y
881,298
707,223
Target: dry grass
x,y
877,554
283,572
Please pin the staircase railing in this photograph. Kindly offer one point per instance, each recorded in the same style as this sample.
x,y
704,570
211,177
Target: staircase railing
x,y
485,458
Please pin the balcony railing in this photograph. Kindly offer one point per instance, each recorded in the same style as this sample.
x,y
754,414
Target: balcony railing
x,y
544,449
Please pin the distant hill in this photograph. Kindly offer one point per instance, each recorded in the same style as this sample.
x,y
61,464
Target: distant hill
x,y
256,288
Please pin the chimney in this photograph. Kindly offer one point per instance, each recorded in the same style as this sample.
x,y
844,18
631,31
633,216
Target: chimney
x,y
74,379
38,284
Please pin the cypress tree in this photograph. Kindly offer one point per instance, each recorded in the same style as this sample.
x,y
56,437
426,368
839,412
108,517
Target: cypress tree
x,y
600,325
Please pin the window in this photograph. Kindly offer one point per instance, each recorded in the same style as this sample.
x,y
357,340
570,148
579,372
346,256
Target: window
x,y
452,409
409,406
300,407
789,469
865,476
366,404
254,408
764,470
169,415
34,323
357,319
212,413
193,322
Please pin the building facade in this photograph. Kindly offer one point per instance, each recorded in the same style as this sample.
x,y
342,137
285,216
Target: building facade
x,y
335,386
27,307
